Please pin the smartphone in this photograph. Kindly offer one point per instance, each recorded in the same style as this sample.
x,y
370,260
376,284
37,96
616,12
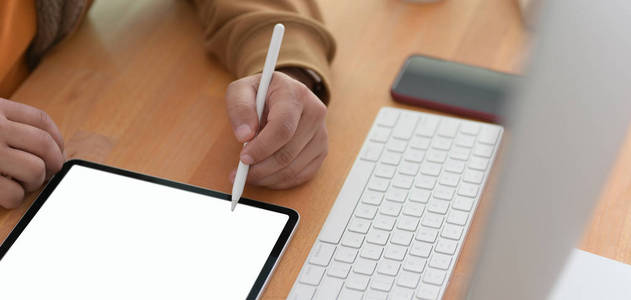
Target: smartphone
x,y
451,87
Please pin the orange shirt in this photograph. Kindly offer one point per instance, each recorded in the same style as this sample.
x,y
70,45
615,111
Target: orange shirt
x,y
236,32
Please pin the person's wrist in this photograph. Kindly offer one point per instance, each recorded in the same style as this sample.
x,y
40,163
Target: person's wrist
x,y
300,75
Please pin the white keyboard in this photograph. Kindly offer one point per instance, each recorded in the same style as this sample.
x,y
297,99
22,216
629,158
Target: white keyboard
x,y
397,226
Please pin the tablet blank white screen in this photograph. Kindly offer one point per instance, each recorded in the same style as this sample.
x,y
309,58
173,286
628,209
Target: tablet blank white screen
x,y
106,236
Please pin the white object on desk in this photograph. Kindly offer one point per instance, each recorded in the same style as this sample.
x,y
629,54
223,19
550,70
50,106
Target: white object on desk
x,y
261,93
589,276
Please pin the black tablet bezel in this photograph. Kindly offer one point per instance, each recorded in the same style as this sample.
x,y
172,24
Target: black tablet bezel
x,y
269,265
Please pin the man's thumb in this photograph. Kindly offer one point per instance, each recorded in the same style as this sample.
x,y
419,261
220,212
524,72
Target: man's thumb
x,y
240,98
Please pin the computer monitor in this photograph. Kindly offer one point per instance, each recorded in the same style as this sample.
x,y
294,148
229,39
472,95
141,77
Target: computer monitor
x,y
565,126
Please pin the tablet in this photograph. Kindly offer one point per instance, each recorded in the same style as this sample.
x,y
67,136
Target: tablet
x,y
98,232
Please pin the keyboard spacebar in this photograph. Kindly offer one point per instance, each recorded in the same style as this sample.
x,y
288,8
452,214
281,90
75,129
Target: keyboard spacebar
x,y
346,201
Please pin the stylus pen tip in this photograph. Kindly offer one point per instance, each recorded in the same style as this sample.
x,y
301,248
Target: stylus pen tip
x,y
233,205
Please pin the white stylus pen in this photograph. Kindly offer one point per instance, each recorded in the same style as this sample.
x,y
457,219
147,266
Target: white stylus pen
x,y
261,93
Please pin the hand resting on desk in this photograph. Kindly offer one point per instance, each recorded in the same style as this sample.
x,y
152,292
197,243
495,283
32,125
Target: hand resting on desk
x,y
292,142
30,151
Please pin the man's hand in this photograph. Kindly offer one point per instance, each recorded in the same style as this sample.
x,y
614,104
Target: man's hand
x,y
30,151
292,142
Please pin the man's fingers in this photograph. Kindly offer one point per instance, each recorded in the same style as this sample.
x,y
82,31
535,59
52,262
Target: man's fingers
x,y
11,193
303,176
285,155
282,121
21,113
316,147
38,142
23,167
240,98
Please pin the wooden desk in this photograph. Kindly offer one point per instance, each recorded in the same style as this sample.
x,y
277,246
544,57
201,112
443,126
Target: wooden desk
x,y
134,89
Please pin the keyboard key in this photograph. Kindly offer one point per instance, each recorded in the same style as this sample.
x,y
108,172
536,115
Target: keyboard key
x,y
454,166
384,222
425,182
339,270
413,209
452,231
372,197
438,206
379,134
408,223
372,151
400,293
465,140
488,135
432,220
400,237
446,246
364,266
418,195
387,117
402,181
470,128
421,249
353,240
359,225
449,179
421,143
459,153
395,252
371,252
385,171
463,203
414,264
427,292
483,150
378,184
408,279
322,254
409,168
426,234
350,294
429,168
329,289
441,143
414,155
396,145
427,126
302,292
473,176
391,158
404,128
345,254
469,190
448,128
382,283
390,208
375,295
443,192
457,217
437,156
357,281
345,202
388,267
440,261
366,211
478,163
377,236
434,276
311,274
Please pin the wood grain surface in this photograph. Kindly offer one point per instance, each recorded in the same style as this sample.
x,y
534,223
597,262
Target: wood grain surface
x,y
134,89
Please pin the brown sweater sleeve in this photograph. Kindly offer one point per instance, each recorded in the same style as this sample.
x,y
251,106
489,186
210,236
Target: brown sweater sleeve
x,y
238,34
